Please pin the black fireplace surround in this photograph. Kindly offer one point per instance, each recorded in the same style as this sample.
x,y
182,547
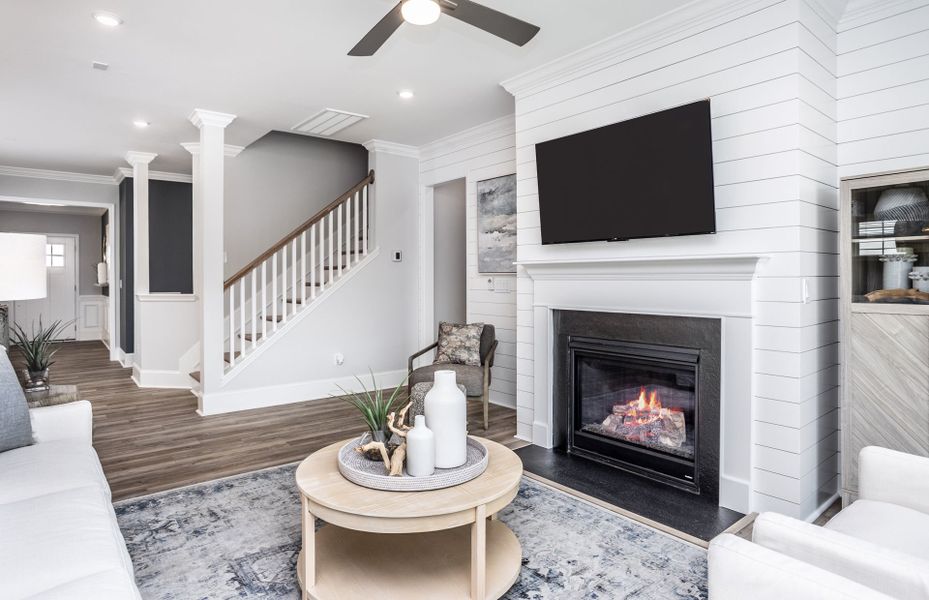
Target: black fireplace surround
x,y
640,393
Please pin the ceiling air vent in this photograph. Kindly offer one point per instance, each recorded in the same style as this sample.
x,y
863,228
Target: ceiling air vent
x,y
328,121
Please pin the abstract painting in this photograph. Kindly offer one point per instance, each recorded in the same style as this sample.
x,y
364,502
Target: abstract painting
x,y
496,225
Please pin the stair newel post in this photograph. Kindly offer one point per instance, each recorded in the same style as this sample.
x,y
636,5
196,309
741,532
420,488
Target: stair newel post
x,y
355,237
232,326
264,300
274,292
313,261
254,307
293,276
331,254
364,219
303,268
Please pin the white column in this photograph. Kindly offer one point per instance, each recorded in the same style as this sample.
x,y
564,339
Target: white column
x,y
196,213
139,162
209,190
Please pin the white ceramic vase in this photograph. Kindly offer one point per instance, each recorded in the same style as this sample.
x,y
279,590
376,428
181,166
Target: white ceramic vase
x,y
447,417
420,449
101,273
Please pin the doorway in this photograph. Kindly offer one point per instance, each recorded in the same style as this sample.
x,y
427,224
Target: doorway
x,y
60,302
450,263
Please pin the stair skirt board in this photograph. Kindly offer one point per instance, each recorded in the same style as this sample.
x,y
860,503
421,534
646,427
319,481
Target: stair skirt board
x,y
151,378
251,354
289,393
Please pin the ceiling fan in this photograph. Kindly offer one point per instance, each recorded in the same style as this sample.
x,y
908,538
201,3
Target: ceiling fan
x,y
425,12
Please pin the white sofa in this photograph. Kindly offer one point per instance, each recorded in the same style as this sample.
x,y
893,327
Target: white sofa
x,y
59,539
876,548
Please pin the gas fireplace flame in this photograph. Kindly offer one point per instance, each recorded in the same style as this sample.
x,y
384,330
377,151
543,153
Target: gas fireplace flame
x,y
646,408
643,419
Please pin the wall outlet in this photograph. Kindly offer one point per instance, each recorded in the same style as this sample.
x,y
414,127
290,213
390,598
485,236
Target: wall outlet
x,y
501,284
490,284
397,256
339,359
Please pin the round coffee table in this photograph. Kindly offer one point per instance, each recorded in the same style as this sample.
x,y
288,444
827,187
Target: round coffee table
x,y
405,545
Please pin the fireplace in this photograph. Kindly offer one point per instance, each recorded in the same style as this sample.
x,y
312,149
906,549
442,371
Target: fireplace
x,y
635,406
640,393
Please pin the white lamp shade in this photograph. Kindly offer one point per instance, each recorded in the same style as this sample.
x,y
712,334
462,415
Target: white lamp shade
x,y
22,266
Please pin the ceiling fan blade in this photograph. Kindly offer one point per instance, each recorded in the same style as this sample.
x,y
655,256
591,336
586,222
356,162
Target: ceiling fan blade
x,y
492,21
379,34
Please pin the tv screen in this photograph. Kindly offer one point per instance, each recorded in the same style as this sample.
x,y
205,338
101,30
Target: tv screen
x,y
647,177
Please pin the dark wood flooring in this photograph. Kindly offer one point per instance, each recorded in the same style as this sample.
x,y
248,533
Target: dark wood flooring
x,y
151,440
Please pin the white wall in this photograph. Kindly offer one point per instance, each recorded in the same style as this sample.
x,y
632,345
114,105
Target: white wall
x,y
479,153
450,266
769,69
371,319
883,87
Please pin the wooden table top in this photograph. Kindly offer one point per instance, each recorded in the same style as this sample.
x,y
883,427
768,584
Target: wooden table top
x,y
320,482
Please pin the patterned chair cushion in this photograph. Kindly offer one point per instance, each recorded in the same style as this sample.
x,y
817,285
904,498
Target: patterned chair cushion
x,y
459,344
470,376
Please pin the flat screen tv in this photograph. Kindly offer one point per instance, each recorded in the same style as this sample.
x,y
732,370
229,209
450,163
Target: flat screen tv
x,y
647,177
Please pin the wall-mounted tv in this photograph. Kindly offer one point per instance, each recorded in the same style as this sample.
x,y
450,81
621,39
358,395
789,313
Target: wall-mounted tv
x,y
647,177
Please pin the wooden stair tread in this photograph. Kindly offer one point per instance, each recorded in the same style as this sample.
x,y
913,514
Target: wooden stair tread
x,y
195,376
238,353
298,300
279,318
248,336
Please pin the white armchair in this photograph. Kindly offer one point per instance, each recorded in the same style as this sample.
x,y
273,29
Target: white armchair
x,y
876,548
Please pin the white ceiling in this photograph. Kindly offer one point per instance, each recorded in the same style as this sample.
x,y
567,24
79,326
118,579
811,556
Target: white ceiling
x,y
273,63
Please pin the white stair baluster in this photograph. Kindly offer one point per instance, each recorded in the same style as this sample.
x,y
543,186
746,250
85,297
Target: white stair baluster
x,y
264,299
364,220
303,268
293,276
322,254
331,255
254,307
241,314
349,257
232,325
274,292
355,237
338,210
313,261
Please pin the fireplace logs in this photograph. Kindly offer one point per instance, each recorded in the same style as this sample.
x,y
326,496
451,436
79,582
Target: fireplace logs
x,y
645,421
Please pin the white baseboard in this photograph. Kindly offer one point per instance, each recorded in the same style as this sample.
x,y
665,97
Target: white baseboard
x,y
823,507
150,378
735,494
124,358
504,400
231,401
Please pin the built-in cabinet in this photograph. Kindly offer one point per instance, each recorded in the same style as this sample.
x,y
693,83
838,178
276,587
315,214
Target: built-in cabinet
x,y
885,317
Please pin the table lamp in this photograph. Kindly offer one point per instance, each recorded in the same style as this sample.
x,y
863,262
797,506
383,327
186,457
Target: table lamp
x,y
22,274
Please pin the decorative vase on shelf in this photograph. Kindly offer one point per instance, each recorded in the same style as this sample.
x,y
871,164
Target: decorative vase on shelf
x,y
447,417
897,269
420,449
101,273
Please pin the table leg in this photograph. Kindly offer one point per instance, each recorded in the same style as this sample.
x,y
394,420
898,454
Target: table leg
x,y
309,550
479,554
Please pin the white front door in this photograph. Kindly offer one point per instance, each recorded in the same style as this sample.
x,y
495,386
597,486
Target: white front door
x,y
60,303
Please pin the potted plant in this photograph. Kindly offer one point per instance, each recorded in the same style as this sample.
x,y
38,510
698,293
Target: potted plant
x,y
38,352
376,409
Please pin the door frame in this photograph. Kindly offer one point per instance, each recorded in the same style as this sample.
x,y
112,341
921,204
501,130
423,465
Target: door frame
x,y
112,263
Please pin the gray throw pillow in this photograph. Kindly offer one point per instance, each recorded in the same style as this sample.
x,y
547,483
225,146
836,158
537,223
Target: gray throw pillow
x,y
15,427
459,344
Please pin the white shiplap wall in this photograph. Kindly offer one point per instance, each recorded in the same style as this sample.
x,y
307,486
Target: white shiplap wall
x,y
769,69
883,99
481,153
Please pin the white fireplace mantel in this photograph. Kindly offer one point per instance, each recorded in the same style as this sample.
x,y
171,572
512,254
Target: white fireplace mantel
x,y
722,267
710,286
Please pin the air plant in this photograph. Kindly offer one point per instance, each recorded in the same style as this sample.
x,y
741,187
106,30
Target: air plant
x,y
37,347
373,406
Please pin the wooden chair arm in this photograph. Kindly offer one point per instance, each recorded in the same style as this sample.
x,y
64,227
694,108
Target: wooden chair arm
x,y
488,360
431,346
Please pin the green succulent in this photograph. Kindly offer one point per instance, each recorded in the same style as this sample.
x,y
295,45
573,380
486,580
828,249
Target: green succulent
x,y
37,347
373,405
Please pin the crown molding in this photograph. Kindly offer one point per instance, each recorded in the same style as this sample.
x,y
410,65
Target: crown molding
x,y
229,150
391,148
831,11
859,12
123,172
56,175
200,117
139,158
659,31
504,126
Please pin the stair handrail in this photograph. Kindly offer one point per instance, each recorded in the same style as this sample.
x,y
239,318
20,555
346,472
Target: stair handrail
x,y
369,179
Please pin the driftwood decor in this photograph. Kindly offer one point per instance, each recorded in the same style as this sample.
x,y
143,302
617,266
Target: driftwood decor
x,y
900,294
393,457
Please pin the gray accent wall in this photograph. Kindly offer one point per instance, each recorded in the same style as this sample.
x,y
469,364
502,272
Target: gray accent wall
x,y
279,182
450,267
170,237
86,227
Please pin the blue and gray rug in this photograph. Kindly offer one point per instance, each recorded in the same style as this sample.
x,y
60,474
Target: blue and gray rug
x,y
240,537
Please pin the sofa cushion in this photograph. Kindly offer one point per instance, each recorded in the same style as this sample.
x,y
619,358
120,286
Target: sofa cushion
x,y
48,468
470,376
887,525
15,428
459,344
59,539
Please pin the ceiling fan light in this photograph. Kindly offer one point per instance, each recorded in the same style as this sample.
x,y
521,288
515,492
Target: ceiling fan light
x,y
420,12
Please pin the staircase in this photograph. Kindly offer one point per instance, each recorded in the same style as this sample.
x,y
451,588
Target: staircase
x,y
268,295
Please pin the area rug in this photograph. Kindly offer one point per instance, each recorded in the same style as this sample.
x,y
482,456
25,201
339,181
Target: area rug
x,y
240,537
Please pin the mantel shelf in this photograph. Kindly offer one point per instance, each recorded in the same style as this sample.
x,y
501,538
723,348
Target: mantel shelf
x,y
721,267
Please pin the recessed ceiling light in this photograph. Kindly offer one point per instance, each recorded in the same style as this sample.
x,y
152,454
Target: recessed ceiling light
x,y
420,12
141,124
405,94
107,18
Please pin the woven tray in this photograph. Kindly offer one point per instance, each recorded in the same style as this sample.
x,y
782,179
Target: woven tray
x,y
370,474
